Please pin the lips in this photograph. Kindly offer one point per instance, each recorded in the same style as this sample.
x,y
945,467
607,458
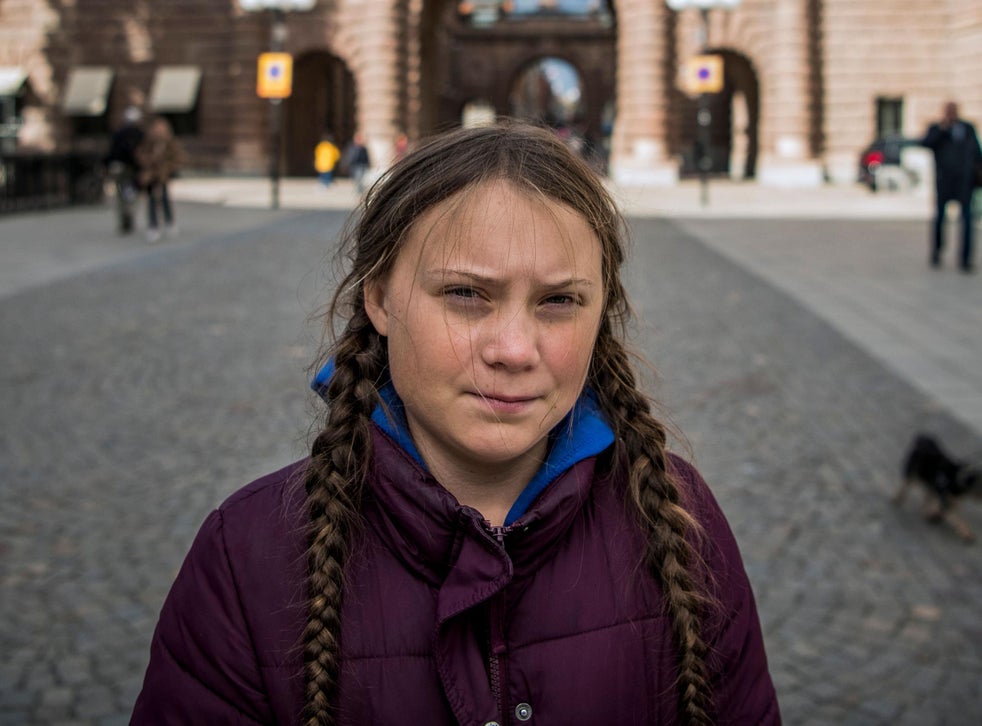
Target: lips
x,y
507,399
505,404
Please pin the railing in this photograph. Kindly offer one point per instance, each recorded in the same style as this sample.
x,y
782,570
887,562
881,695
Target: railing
x,y
31,181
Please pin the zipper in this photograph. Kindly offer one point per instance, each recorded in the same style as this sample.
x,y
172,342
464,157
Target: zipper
x,y
496,654
497,532
496,640
494,675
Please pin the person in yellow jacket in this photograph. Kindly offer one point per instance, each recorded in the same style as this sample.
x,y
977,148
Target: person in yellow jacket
x,y
326,156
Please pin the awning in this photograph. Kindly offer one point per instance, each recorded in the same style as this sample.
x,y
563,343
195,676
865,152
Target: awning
x,y
175,89
12,79
87,91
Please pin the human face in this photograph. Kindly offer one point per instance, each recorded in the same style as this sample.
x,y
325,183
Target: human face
x,y
950,113
490,311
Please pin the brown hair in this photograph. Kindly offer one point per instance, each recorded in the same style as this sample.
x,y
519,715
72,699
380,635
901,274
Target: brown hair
x,y
535,161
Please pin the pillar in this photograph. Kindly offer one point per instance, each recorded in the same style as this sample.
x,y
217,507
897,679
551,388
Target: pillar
x,y
639,153
375,64
786,157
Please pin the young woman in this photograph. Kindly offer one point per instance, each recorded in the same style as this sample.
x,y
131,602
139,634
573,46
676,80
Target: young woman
x,y
489,529
160,156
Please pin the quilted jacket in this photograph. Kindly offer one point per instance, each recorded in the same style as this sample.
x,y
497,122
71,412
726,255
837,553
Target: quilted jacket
x,y
549,620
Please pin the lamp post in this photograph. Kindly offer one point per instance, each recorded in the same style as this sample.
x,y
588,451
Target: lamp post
x,y
704,116
277,42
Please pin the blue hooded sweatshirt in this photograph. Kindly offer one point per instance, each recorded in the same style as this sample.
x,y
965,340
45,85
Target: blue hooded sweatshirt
x,y
583,432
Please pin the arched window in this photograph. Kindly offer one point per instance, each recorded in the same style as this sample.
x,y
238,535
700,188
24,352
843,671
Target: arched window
x,y
548,91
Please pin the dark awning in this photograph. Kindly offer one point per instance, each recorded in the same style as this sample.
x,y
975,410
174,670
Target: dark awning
x,y
12,79
87,91
175,89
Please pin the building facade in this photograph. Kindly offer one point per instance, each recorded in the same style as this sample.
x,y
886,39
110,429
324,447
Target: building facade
x,y
806,84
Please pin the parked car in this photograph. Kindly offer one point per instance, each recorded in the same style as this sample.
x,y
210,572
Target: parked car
x,y
881,160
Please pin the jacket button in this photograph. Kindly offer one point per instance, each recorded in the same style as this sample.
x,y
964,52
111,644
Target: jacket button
x,y
492,723
523,712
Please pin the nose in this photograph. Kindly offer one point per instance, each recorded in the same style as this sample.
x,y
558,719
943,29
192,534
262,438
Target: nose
x,y
511,341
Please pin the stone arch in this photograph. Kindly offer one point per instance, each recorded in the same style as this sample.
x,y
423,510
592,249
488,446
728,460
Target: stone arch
x,y
741,98
520,73
459,63
734,129
323,100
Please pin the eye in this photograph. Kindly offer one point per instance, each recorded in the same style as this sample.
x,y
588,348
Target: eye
x,y
462,294
562,299
460,291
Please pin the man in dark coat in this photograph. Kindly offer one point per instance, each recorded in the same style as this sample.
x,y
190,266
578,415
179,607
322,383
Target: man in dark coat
x,y
123,167
956,156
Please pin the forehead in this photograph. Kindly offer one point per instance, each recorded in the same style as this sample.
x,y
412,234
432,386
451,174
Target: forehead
x,y
497,225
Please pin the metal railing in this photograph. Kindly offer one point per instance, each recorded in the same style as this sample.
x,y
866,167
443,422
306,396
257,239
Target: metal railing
x,y
32,180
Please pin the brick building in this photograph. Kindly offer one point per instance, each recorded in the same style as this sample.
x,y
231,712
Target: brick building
x,y
807,83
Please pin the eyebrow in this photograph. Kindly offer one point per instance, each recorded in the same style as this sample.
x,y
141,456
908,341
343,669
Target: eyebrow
x,y
485,280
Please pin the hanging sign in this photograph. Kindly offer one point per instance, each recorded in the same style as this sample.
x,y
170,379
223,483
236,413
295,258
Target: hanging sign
x,y
274,78
704,74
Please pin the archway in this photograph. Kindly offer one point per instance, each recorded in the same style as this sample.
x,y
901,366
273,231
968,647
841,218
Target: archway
x,y
479,51
548,91
323,100
742,97
735,113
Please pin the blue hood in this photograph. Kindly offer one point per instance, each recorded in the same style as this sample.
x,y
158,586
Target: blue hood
x,y
583,432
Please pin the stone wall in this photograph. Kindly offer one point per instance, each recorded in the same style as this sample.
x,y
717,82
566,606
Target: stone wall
x,y
820,66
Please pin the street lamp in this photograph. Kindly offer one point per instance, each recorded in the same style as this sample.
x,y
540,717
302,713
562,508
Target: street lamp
x,y
277,40
704,117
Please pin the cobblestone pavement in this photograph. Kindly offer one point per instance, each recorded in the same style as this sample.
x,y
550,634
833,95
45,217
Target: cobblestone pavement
x,y
137,394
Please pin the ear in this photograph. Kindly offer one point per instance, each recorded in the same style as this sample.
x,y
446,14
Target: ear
x,y
374,291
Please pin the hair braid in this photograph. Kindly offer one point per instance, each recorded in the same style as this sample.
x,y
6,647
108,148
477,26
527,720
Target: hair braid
x,y
671,555
334,485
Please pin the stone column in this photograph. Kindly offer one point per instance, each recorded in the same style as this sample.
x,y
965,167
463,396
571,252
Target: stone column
x,y
374,61
786,156
640,151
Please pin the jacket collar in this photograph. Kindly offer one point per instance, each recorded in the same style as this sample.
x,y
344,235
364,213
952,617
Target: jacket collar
x,y
444,541
582,434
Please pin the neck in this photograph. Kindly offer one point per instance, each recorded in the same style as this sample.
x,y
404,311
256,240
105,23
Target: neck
x,y
490,489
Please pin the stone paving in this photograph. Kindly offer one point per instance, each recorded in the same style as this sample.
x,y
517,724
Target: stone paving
x,y
870,614
140,391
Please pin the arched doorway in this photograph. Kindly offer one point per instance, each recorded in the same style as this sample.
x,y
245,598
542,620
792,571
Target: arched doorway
x,y
735,114
549,91
323,100
474,54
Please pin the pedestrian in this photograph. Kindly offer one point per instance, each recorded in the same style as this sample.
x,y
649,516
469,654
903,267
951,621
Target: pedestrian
x,y
326,157
957,162
355,161
490,528
123,168
160,157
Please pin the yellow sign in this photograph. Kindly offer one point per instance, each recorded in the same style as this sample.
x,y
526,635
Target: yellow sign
x,y
275,76
704,74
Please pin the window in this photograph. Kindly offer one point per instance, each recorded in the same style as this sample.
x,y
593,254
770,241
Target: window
x,y
87,98
484,13
889,117
174,95
13,90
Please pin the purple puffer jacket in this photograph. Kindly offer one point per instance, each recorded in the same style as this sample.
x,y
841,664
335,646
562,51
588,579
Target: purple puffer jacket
x,y
442,624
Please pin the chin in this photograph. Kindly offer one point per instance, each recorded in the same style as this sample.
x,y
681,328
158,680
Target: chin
x,y
501,453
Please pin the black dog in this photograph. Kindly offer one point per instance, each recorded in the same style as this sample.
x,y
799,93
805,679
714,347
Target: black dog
x,y
944,480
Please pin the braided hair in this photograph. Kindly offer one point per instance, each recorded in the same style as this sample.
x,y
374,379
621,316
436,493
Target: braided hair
x,y
535,161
